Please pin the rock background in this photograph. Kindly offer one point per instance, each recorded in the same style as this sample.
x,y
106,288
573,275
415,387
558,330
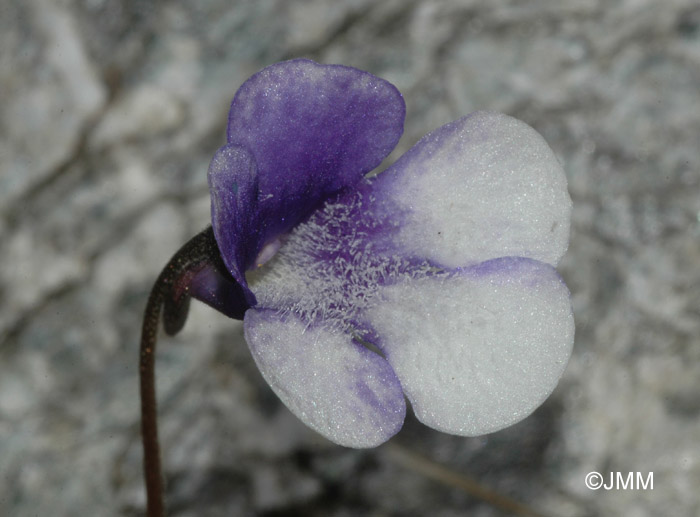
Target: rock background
x,y
110,112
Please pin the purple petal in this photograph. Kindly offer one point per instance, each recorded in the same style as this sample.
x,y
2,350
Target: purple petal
x,y
478,350
233,187
312,129
335,386
482,187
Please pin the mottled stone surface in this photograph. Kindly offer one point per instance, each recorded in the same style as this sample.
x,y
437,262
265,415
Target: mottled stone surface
x,y
110,112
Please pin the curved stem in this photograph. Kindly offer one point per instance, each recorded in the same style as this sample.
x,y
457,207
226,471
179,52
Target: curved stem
x,y
171,291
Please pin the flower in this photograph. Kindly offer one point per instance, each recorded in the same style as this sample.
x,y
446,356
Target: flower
x,y
434,279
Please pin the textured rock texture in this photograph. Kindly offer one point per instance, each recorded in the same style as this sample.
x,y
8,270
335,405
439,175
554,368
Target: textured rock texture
x,y
110,112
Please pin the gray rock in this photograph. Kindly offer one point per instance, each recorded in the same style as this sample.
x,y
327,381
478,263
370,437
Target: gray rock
x,y
111,110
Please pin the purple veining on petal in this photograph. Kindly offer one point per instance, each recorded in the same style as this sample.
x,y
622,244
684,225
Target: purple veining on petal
x,y
530,271
501,265
369,397
337,387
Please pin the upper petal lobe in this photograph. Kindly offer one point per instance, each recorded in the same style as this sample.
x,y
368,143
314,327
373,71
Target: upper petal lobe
x,y
313,130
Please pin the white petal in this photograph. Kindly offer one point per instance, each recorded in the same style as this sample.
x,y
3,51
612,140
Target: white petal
x,y
478,351
482,187
340,389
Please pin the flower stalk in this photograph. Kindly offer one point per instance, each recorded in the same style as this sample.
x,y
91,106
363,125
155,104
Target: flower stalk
x,y
171,294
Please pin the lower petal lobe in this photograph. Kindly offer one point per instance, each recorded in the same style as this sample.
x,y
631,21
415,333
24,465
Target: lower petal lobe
x,y
479,349
337,387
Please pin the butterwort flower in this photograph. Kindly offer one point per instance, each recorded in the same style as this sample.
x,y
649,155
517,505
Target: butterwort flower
x,y
434,279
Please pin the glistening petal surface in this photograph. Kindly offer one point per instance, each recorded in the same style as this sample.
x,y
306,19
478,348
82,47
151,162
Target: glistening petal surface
x,y
482,187
340,389
312,129
478,350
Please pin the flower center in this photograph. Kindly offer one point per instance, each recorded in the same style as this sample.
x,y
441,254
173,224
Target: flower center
x,y
328,269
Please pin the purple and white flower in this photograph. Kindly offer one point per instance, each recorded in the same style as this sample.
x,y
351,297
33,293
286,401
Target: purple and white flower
x,y
434,279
